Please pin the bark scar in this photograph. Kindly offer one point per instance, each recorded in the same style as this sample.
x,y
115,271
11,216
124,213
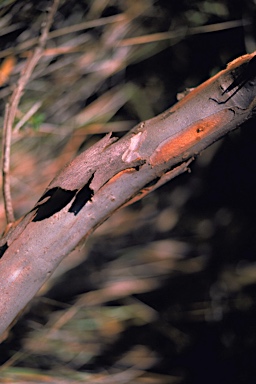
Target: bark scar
x,y
132,154
175,146
52,202
84,195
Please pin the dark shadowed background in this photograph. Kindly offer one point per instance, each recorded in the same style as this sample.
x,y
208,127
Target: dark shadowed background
x,y
164,291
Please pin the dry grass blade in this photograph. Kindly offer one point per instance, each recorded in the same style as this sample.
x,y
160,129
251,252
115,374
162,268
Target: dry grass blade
x,y
179,34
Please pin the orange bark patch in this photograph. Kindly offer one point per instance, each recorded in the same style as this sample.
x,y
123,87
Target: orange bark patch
x,y
175,146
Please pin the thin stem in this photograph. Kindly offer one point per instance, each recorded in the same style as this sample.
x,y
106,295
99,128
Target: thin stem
x,y
12,106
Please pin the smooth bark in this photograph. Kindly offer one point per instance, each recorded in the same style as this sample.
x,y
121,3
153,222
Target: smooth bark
x,y
114,172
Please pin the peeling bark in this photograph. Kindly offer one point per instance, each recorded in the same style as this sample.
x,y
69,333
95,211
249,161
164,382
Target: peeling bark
x,y
115,172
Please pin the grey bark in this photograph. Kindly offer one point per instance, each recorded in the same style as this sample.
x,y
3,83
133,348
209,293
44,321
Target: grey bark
x,y
112,173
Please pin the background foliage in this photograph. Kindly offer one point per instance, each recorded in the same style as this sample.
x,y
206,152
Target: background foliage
x,y
164,291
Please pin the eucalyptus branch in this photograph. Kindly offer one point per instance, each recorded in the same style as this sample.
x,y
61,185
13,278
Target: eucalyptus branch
x,y
115,172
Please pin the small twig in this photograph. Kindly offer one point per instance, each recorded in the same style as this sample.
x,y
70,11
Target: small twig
x,y
27,116
12,106
6,167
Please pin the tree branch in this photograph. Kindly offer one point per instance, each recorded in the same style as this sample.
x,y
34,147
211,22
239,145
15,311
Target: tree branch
x,y
115,172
